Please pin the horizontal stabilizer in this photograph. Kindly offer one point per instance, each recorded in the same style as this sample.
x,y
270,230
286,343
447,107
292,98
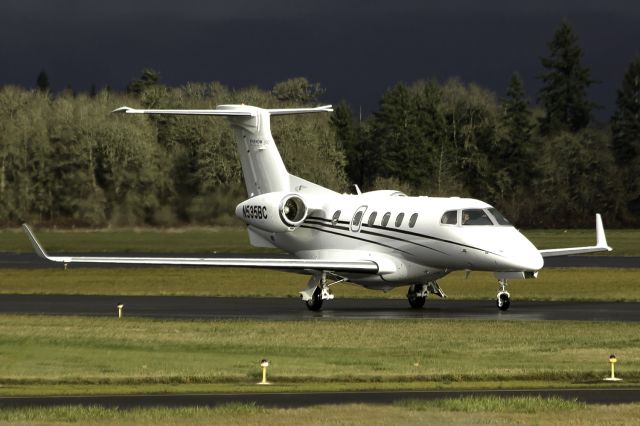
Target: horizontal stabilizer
x,y
224,110
218,111
355,266
601,244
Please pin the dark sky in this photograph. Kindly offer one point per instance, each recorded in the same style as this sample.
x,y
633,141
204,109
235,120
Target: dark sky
x,y
355,49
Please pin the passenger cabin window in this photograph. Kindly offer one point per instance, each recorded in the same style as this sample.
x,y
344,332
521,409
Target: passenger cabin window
x,y
357,218
412,220
475,217
385,218
399,219
335,218
500,219
372,218
449,218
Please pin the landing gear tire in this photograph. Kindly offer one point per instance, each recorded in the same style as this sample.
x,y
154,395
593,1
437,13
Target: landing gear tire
x,y
415,301
315,303
504,301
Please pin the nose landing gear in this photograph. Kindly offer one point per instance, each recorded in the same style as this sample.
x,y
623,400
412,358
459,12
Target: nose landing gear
x,y
503,298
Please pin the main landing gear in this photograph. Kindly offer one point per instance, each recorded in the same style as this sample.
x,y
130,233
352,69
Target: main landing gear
x,y
317,290
417,294
503,298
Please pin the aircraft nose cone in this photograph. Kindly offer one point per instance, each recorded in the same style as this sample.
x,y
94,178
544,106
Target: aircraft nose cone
x,y
532,261
525,258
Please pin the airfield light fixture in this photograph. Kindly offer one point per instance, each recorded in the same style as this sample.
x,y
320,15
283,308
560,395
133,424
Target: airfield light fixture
x,y
120,306
264,363
612,362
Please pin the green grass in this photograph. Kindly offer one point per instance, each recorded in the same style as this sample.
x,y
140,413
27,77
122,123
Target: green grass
x,y
546,411
43,354
552,284
496,404
626,242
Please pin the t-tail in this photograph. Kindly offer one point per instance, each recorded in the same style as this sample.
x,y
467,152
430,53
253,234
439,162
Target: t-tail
x,y
262,166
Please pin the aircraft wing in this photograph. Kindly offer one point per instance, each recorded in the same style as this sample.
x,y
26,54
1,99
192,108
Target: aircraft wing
x,y
601,244
358,266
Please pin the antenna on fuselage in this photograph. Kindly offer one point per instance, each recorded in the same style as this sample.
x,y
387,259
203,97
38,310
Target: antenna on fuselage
x,y
357,189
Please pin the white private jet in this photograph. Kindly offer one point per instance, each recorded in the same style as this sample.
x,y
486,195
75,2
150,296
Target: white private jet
x,y
378,239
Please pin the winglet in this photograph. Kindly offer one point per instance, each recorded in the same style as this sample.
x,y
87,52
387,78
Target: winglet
x,y
121,110
34,241
601,238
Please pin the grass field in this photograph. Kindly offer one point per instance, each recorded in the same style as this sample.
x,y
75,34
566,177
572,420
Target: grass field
x,y
465,411
552,284
626,242
58,355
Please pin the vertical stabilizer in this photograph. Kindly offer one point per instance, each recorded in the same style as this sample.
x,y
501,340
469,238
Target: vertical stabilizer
x,y
262,165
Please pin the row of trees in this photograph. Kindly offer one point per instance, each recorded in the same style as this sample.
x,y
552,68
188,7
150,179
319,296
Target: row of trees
x,y
544,165
64,160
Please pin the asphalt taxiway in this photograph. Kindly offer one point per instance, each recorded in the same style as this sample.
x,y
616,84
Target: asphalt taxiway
x,y
302,399
190,307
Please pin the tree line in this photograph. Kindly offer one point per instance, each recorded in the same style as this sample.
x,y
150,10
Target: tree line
x,y
65,161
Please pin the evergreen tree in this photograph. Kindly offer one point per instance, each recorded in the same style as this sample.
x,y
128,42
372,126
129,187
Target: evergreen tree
x,y
515,149
43,81
565,83
433,127
149,78
347,137
625,126
396,132
513,156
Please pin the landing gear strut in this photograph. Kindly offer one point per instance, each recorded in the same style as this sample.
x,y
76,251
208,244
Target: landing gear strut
x,y
503,298
317,290
417,294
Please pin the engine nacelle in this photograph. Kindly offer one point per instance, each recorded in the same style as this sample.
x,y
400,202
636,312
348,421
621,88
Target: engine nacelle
x,y
274,211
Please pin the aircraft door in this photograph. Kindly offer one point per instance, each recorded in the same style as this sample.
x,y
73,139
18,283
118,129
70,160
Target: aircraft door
x,y
356,221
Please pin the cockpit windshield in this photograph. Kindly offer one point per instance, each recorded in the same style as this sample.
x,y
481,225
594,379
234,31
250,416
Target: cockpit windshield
x,y
499,217
486,217
475,217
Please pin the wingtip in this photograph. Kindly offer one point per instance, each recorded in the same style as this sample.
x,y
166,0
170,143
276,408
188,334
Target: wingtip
x,y
121,110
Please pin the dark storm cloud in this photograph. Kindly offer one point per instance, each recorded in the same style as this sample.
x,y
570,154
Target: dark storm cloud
x,y
355,49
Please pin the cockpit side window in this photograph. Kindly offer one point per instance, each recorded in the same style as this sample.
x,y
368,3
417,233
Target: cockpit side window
x,y
499,217
449,218
385,218
475,217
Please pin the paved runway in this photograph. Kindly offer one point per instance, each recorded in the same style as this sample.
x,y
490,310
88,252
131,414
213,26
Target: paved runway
x,y
301,399
31,261
293,309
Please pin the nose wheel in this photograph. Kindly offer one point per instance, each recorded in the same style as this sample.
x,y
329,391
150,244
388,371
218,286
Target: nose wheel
x,y
315,303
503,299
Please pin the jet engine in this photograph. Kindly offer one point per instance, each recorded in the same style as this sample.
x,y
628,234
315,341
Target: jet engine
x,y
274,211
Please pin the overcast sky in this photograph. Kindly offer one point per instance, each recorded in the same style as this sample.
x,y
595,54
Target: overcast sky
x,y
355,49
